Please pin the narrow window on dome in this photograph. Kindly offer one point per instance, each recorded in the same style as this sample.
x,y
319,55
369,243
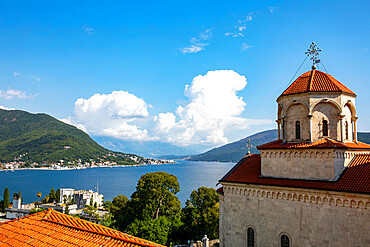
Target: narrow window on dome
x,y
284,129
284,241
297,130
325,128
250,237
346,128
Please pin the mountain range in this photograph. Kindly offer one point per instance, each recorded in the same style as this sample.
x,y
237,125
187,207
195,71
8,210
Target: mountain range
x,y
234,151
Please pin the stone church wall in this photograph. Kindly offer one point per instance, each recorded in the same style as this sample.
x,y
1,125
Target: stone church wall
x,y
323,164
309,217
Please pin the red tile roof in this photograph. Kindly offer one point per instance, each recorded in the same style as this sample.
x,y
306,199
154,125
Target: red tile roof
x,y
316,81
355,178
323,143
51,228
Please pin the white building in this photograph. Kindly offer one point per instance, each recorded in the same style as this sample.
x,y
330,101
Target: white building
x,y
17,210
82,197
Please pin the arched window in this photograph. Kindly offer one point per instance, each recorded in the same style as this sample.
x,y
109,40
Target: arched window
x,y
325,127
346,129
283,128
250,237
284,241
297,130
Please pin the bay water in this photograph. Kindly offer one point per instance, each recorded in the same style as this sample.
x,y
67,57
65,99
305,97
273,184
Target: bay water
x,y
112,181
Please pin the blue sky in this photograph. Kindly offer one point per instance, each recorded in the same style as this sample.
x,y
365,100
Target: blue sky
x,y
57,55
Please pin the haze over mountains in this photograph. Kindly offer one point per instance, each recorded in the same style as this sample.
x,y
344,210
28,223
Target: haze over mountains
x,y
234,151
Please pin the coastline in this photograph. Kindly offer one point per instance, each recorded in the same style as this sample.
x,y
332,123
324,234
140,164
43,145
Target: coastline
x,y
78,168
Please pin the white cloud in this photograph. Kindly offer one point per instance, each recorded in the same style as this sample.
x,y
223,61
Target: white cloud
x,y
111,115
14,93
6,108
272,9
17,74
245,46
197,43
213,108
240,27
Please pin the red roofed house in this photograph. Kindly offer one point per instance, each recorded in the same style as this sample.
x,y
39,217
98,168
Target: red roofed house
x,y
51,228
311,187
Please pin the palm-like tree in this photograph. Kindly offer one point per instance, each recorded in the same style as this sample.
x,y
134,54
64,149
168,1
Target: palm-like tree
x,y
39,194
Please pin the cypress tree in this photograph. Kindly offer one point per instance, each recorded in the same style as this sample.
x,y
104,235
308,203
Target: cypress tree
x,y
52,195
6,198
57,195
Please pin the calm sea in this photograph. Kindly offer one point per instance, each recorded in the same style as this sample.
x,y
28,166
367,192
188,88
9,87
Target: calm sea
x,y
112,181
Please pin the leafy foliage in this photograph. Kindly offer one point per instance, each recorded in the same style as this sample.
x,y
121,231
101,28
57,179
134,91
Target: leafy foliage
x,y
91,214
52,196
6,202
156,230
200,215
57,195
36,210
155,196
154,212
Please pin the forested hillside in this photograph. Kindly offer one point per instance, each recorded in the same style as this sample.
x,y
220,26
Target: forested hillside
x,y
234,151
42,138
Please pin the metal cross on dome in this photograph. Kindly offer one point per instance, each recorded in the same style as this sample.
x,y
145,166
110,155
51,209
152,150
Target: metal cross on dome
x,y
249,145
314,53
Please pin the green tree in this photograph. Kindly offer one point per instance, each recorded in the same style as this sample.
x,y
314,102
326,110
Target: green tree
x,y
155,230
6,199
52,195
153,211
2,206
57,195
91,201
155,196
91,213
120,212
107,220
107,205
36,210
200,215
66,210
39,194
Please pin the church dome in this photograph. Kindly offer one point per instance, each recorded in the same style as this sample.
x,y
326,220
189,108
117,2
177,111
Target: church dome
x,y
316,81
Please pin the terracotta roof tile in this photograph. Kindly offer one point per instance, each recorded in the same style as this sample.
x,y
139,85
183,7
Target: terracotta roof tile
x,y
316,81
323,143
51,228
355,178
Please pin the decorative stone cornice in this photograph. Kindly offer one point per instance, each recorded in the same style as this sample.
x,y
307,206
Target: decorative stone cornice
x,y
331,198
